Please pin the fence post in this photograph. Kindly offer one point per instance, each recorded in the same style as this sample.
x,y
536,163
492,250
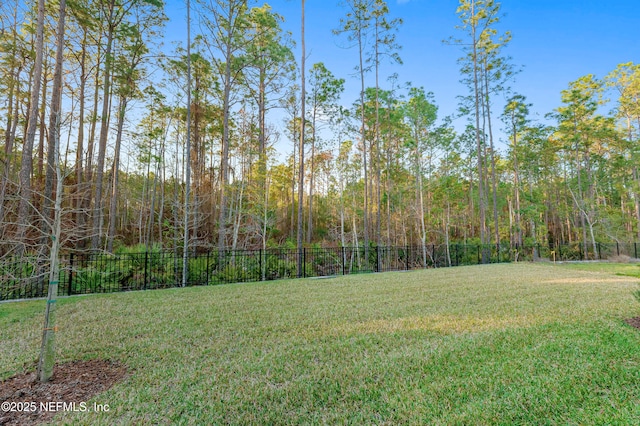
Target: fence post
x,y
599,245
146,266
457,259
377,259
635,250
344,262
70,280
208,266
260,265
304,262
618,248
406,258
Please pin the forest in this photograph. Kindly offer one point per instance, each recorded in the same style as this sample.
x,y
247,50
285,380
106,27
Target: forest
x,y
226,141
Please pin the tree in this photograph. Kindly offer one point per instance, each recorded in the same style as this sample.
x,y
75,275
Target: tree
x,y
115,13
625,80
127,77
187,184
46,359
324,93
269,63
13,61
515,116
584,135
496,71
449,186
81,15
301,134
356,26
24,210
227,25
47,351
384,45
421,115
478,18
270,67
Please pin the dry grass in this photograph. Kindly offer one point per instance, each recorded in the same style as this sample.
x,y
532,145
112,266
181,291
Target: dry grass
x,y
622,258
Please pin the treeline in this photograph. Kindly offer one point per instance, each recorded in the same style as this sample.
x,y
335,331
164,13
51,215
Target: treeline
x,y
162,145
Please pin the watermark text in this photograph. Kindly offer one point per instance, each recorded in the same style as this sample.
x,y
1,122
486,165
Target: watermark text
x,y
53,407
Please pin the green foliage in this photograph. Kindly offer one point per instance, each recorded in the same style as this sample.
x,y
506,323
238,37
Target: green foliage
x,y
130,269
279,268
91,280
18,278
137,248
200,270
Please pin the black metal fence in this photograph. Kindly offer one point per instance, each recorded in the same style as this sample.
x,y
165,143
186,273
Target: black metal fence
x,y
82,273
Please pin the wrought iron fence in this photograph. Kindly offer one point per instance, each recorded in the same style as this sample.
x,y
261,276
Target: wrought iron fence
x,y
83,273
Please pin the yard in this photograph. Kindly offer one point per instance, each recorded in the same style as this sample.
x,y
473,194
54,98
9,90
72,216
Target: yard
x,y
494,344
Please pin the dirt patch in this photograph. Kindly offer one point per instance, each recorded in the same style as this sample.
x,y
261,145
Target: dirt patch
x,y
25,401
634,322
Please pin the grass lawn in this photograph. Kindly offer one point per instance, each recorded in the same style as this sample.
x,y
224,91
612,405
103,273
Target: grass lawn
x,y
622,269
495,344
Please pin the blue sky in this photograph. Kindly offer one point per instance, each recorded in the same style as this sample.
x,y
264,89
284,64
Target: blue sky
x,y
555,42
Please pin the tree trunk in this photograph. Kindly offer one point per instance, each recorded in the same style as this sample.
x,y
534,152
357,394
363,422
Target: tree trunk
x,y
104,131
24,208
43,110
516,187
187,184
311,175
9,139
224,158
113,204
365,210
301,143
80,187
47,352
54,123
493,159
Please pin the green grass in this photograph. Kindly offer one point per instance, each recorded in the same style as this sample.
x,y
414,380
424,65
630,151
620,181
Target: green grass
x,y
623,269
495,344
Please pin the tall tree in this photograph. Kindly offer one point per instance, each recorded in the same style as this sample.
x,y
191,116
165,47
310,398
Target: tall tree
x,y
477,17
114,12
269,63
625,80
13,54
421,115
583,133
85,21
24,210
227,26
324,93
496,72
356,25
385,45
515,116
187,184
270,67
301,134
129,72
47,352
